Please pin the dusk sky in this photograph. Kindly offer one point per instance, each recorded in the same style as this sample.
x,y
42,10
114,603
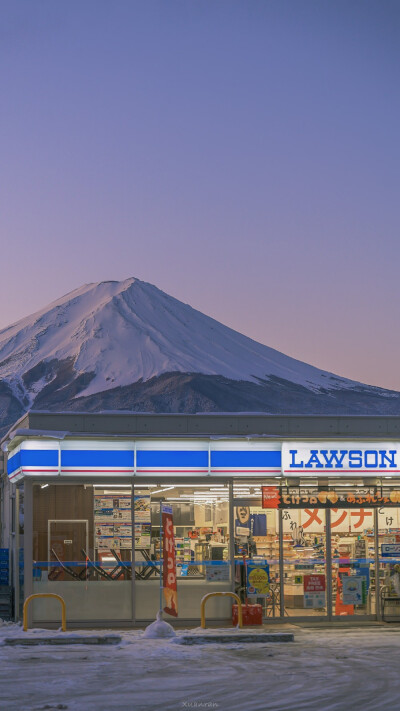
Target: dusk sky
x,y
241,156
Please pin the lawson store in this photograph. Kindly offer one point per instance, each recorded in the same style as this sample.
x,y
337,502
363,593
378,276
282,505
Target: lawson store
x,y
314,500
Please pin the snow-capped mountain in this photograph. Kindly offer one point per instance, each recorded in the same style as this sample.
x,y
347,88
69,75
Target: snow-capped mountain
x,y
122,332
128,345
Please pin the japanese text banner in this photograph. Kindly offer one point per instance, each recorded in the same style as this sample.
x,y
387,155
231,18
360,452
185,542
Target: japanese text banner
x,y
298,498
169,563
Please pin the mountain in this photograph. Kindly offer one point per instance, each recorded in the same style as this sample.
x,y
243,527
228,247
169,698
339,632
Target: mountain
x,y
129,346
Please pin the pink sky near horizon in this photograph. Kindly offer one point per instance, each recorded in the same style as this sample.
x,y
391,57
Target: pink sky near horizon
x,y
243,157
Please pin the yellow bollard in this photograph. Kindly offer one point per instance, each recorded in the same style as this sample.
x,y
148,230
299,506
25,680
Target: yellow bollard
x,y
220,594
57,597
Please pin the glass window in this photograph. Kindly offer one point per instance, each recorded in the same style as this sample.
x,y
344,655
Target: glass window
x,y
389,556
200,515
256,533
82,550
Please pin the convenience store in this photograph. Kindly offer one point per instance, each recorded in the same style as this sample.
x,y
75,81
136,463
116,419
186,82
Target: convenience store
x,y
313,501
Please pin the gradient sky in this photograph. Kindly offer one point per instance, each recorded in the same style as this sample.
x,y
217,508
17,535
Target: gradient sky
x,y
242,156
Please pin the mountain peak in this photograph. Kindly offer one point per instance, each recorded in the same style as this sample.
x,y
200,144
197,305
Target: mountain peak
x,y
129,345
129,331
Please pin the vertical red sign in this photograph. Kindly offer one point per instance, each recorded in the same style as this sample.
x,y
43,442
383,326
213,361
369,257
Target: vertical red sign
x,y
169,562
271,497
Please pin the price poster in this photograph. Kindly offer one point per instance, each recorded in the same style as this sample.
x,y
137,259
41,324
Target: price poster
x,y
314,591
258,580
142,520
112,522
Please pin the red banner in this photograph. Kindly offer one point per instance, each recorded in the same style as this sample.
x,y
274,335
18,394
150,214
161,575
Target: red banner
x,y
169,563
271,497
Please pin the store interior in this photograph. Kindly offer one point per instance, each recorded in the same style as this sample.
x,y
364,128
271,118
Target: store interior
x,y
84,533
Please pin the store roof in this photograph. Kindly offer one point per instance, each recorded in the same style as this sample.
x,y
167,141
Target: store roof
x,y
113,424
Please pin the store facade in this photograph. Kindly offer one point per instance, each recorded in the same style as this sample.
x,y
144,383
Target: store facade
x,y
309,506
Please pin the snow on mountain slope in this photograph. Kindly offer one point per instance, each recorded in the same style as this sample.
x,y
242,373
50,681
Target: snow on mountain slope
x,y
128,331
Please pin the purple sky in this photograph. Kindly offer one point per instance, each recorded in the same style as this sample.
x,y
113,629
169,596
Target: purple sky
x,y
242,156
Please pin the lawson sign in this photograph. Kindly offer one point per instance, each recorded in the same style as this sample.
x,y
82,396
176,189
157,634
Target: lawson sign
x,y
367,458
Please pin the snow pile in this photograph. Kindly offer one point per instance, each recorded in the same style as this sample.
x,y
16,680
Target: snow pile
x,y
130,330
159,629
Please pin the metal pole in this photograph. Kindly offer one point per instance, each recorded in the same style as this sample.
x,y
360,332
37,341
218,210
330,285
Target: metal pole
x,y
133,555
15,538
231,549
28,538
328,563
161,558
281,565
378,610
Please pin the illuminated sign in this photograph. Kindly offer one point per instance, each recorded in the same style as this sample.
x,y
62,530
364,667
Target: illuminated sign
x,y
313,458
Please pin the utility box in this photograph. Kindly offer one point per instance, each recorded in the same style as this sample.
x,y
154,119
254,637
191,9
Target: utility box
x,y
252,615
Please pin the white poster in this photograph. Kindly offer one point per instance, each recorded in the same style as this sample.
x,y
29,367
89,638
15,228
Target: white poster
x,y
352,593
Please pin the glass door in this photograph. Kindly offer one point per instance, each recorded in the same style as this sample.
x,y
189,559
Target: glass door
x,y
353,562
304,562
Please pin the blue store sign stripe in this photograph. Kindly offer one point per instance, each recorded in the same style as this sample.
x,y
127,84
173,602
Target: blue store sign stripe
x,y
171,458
246,460
97,458
145,459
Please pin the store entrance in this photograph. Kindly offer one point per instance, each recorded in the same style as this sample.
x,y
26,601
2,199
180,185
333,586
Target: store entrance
x,y
304,562
353,562
329,562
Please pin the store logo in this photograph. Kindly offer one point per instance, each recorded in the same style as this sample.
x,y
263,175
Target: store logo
x,y
343,459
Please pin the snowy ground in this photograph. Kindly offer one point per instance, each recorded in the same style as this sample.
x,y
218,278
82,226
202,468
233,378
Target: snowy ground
x,y
324,670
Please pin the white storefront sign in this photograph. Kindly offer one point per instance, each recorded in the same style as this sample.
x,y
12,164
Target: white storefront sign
x,y
340,457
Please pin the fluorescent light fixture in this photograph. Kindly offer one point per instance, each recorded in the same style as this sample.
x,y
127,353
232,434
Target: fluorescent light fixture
x,y
167,488
113,491
43,486
174,498
198,486
117,486
206,493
